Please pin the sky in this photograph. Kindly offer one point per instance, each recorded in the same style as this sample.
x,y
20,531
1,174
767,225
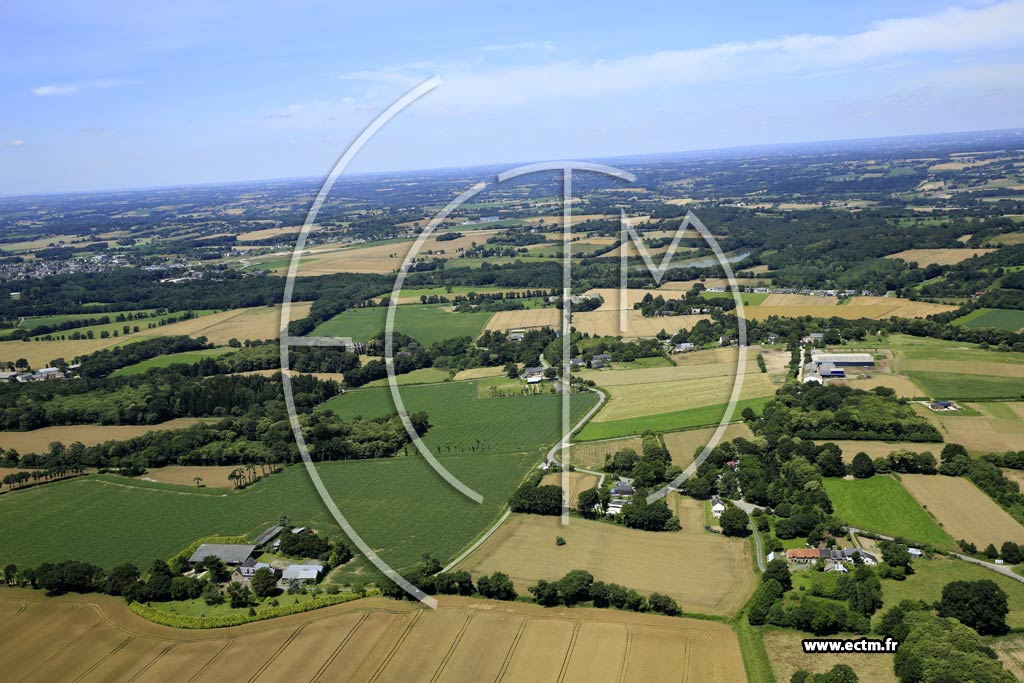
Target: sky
x,y
112,95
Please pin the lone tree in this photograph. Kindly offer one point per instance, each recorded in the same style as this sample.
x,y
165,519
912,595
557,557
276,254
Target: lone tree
x,y
982,605
587,503
734,522
862,466
263,582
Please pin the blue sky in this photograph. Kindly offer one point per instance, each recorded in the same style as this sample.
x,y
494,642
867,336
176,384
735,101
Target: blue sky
x,y
109,95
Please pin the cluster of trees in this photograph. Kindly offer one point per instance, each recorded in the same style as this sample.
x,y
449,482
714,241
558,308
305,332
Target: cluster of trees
x,y
652,469
578,586
427,575
840,412
651,306
531,497
840,673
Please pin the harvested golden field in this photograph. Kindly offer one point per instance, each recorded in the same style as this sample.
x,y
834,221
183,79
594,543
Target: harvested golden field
x,y
999,428
1009,238
787,656
879,449
96,638
876,307
574,219
799,300
965,367
479,373
707,573
685,285
1014,475
531,317
578,481
942,257
683,445
381,258
1011,654
270,372
38,440
963,509
267,233
214,476
592,454
903,387
263,322
608,323
613,302
718,362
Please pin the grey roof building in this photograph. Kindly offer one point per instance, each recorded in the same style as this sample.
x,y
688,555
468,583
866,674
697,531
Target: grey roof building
x,y
229,553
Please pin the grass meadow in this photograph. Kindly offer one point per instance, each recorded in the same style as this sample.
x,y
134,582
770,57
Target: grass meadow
x,y
666,422
993,317
428,324
185,357
882,505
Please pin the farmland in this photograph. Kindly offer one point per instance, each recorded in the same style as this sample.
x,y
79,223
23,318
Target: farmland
x,y
592,454
96,638
963,510
578,481
992,317
462,422
185,357
213,476
262,322
38,440
1011,654
608,323
704,572
882,505
931,575
428,324
942,257
999,426
667,422
683,445
503,321
787,656
967,386
108,519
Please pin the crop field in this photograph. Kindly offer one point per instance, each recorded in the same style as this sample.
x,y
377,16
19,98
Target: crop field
x,y
592,454
578,481
213,476
643,400
911,351
462,422
931,575
428,324
748,298
689,366
1011,654
613,301
966,387
877,308
942,257
418,376
381,258
609,323
999,427
150,325
963,509
267,233
503,321
683,446
96,638
787,656
399,505
993,317
882,505
185,357
903,387
879,449
799,300
667,422
32,323
38,440
479,373
411,295
706,573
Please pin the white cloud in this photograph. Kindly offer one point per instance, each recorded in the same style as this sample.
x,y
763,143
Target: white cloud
x,y
527,46
16,143
75,88
951,32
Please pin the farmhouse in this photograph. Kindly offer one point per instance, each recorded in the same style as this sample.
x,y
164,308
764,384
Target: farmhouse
x,y
684,347
802,555
622,488
249,567
229,553
717,507
533,375
269,535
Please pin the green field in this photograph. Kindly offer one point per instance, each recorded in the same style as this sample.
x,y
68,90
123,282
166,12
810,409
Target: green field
x,y
748,298
428,324
993,317
186,357
399,505
666,422
462,422
911,348
931,575
31,324
949,385
882,505
420,376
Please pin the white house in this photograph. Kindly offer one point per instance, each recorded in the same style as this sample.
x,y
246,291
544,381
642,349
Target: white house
x,y
717,507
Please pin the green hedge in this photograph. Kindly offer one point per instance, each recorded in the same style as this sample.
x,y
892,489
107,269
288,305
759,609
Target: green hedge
x,y
158,616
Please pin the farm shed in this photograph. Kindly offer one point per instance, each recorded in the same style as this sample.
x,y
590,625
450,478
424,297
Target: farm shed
x,y
268,535
229,553
302,572
859,360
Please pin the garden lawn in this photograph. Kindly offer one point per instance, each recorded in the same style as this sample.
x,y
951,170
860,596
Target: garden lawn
x,y
882,505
